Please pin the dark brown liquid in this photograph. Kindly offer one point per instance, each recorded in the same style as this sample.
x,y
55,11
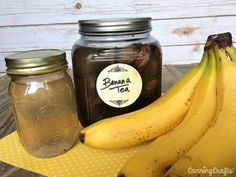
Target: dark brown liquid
x,y
89,62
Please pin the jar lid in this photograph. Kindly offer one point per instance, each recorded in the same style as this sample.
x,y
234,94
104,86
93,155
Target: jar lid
x,y
115,26
36,62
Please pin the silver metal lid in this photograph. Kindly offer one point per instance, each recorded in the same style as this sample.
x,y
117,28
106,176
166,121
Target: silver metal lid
x,y
115,26
36,62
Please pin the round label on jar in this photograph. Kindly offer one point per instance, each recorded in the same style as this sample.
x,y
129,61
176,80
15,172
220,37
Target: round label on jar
x,y
119,85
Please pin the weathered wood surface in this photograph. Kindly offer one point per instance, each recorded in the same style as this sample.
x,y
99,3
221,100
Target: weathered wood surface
x,y
182,40
181,27
7,126
178,32
170,75
33,12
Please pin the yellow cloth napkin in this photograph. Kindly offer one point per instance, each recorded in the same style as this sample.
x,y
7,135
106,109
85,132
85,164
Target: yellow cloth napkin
x,y
80,161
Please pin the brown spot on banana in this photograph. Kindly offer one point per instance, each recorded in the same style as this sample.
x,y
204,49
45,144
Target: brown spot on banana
x,y
82,137
120,175
168,167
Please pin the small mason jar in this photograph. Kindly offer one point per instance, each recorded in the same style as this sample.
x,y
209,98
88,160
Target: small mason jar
x,y
117,67
44,103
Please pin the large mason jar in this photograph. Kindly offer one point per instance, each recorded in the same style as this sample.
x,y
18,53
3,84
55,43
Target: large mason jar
x,y
117,67
44,103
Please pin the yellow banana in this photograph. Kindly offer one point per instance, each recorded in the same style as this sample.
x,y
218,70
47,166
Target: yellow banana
x,y
232,52
214,154
150,122
156,159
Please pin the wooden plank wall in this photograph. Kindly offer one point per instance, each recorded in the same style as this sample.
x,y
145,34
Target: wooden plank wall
x,y
180,26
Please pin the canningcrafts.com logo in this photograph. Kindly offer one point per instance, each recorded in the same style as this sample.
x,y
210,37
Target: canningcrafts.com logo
x,y
210,171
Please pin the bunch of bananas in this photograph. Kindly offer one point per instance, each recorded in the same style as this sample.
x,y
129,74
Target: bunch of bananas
x,y
196,119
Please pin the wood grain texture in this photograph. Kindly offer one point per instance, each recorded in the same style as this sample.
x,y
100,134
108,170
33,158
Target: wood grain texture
x,y
179,32
2,63
181,39
6,115
7,170
28,12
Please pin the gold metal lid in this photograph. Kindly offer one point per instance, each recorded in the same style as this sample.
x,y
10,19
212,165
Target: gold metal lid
x,y
36,62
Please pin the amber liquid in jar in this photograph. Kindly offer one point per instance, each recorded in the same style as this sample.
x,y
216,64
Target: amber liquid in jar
x,y
88,62
43,98
45,112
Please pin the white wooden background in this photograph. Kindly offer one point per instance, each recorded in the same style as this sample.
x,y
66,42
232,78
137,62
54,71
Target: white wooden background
x,y
180,26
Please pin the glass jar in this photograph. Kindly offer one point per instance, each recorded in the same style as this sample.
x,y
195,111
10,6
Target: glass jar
x,y
44,103
117,67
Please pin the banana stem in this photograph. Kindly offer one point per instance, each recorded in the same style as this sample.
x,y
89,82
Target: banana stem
x,y
223,40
